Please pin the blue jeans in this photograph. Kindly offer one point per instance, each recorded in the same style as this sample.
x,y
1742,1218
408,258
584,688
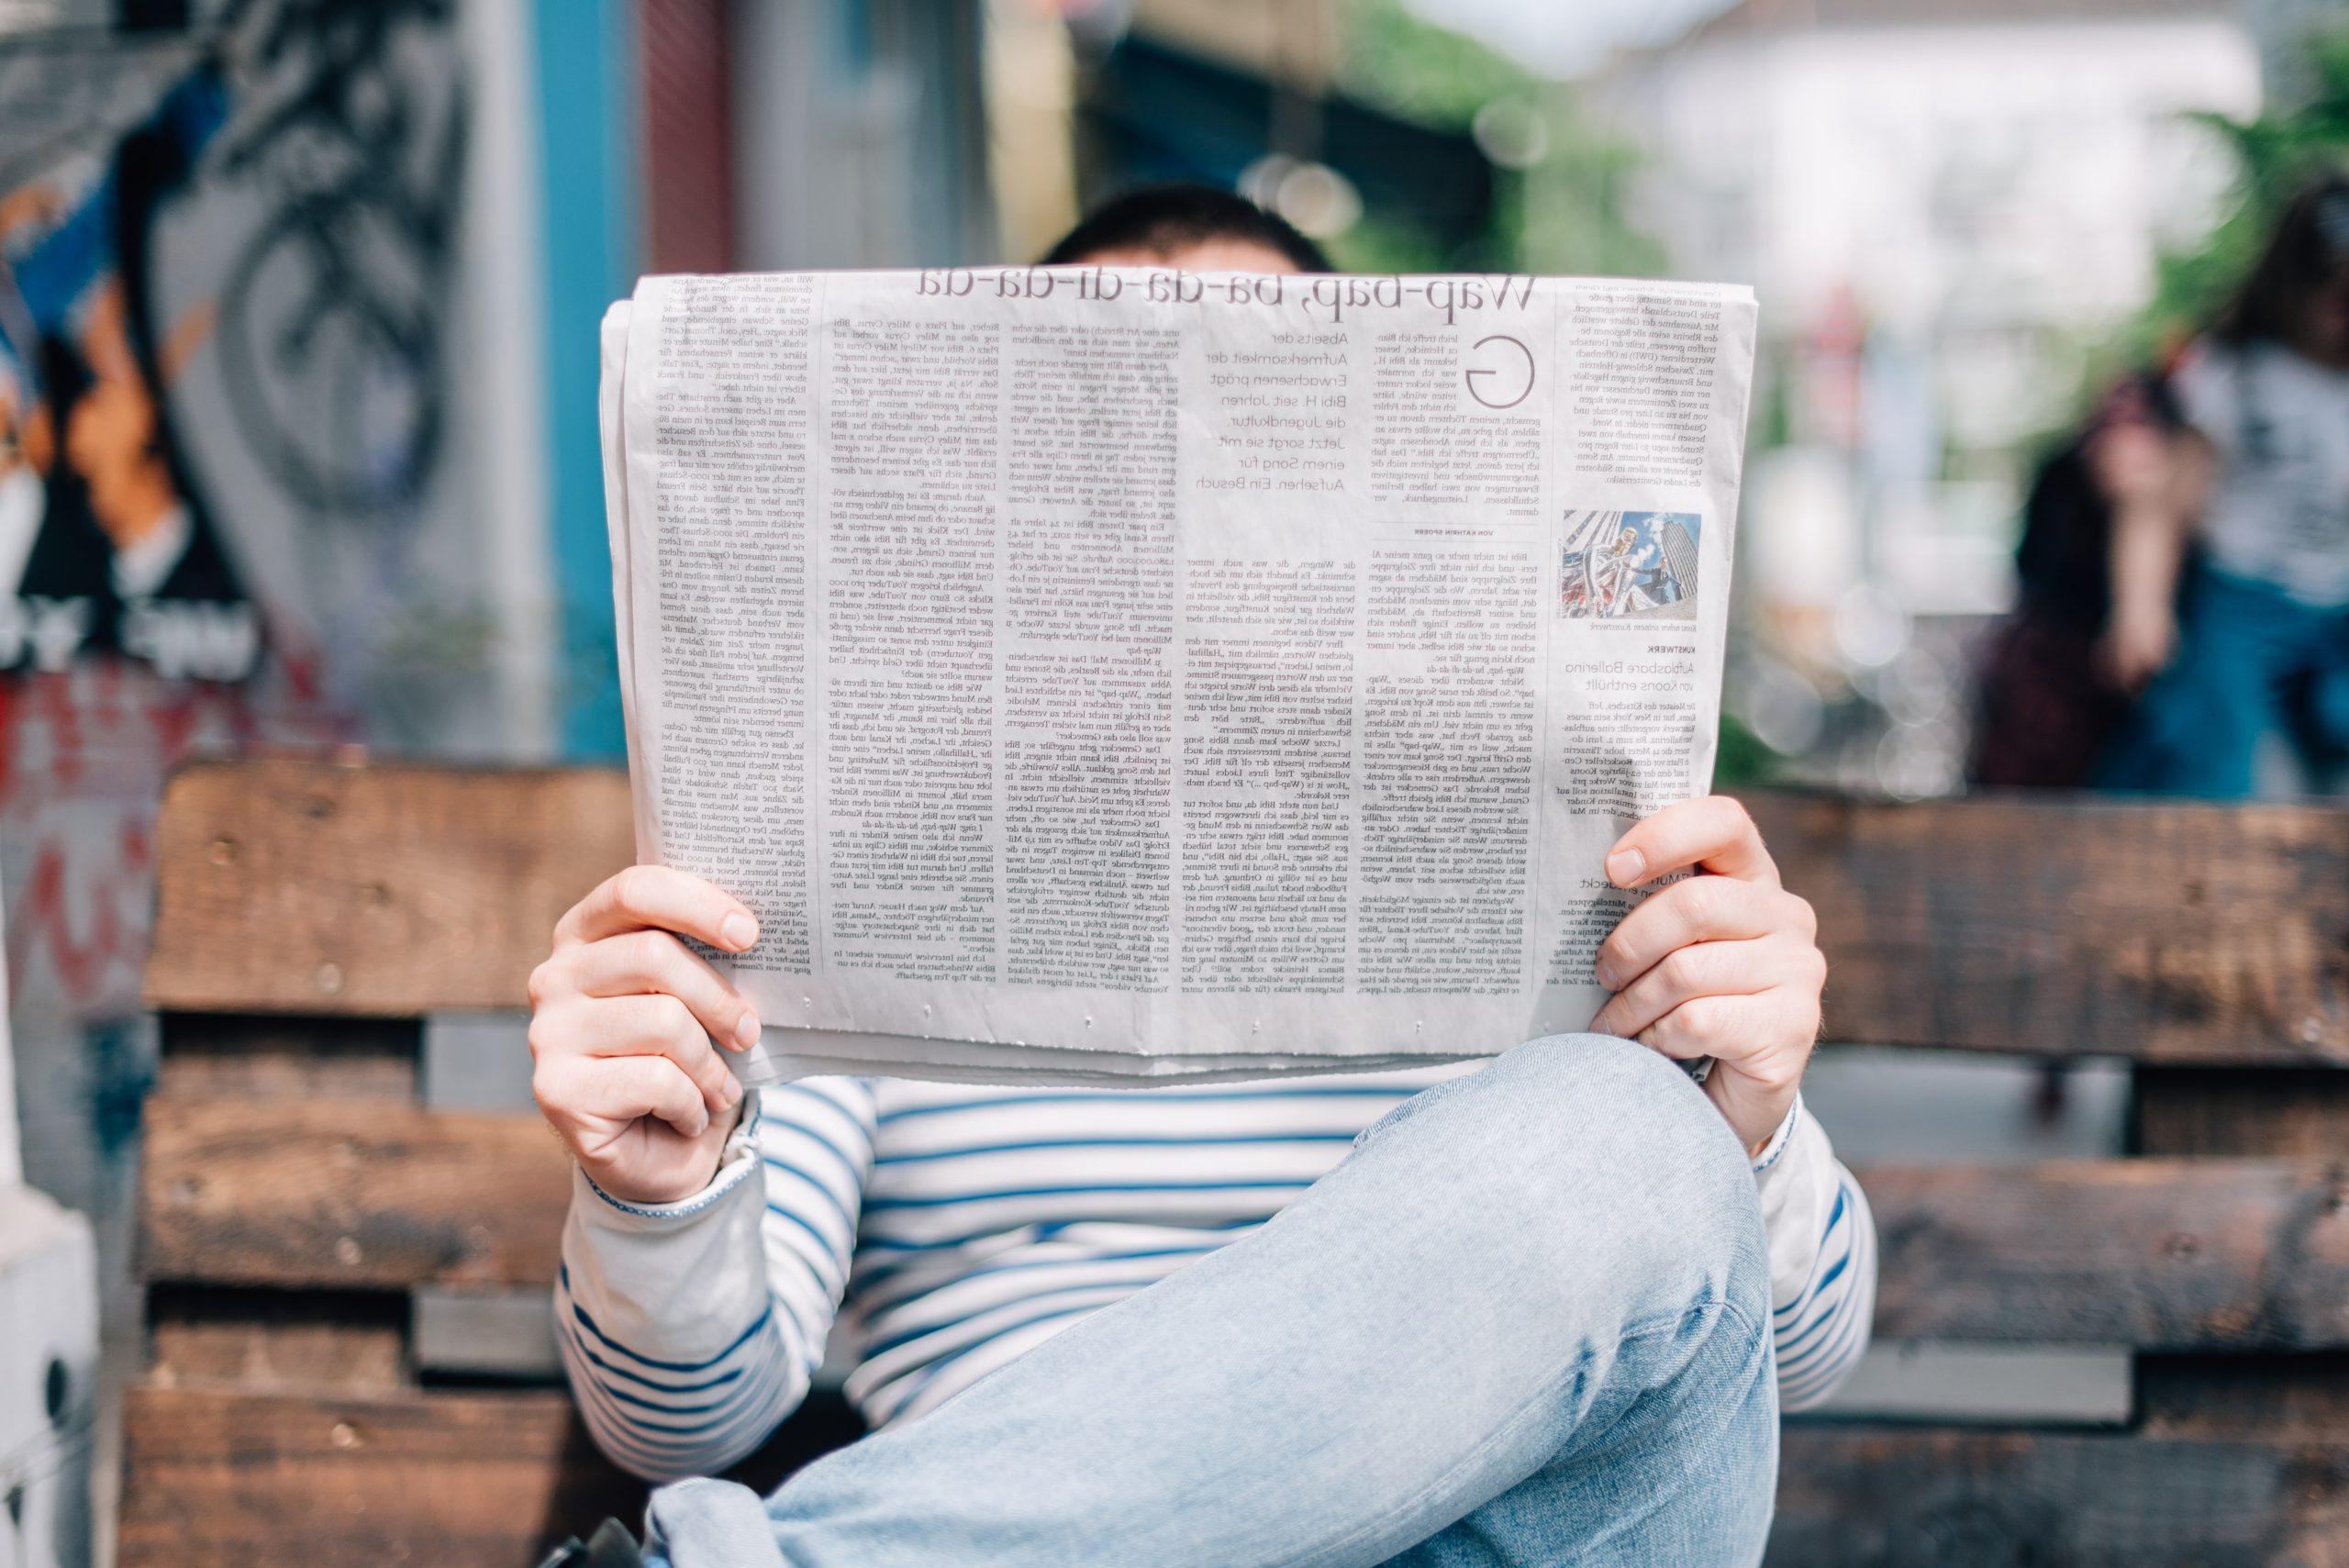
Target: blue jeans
x,y
1526,1321
2252,660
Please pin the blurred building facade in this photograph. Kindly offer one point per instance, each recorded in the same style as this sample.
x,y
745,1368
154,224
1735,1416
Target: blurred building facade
x,y
298,308
2284,29
1945,205
1255,97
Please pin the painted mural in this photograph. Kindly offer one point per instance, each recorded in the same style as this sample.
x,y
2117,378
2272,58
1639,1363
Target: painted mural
x,y
228,256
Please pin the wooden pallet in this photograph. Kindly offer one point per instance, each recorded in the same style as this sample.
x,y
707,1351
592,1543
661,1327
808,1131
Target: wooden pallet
x,y
306,1207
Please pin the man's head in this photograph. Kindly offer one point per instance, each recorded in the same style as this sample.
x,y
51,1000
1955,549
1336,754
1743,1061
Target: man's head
x,y
1196,228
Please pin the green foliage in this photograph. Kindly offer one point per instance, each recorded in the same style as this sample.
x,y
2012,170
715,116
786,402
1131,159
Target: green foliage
x,y
1417,71
1380,243
1743,760
1431,75
2276,154
1561,215
1572,220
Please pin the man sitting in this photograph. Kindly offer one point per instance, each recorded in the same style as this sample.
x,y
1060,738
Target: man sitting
x,y
1540,1310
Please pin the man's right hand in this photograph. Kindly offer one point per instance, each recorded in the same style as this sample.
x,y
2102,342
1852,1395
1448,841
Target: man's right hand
x,y
623,1018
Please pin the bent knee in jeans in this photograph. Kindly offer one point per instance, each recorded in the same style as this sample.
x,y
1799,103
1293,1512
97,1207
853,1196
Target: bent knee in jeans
x,y
1592,1093
1565,1137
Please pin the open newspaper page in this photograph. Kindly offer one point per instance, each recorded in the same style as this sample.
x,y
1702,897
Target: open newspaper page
x,y
1117,674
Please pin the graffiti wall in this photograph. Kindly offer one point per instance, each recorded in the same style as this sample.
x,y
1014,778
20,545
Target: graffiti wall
x,y
238,472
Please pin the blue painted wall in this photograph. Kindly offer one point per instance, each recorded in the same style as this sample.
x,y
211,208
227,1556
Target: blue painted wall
x,y
587,127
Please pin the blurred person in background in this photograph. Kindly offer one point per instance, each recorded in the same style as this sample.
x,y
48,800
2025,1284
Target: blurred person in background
x,y
2098,570
2262,638
1542,1309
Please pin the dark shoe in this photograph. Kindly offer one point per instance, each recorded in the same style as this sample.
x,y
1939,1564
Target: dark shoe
x,y
610,1547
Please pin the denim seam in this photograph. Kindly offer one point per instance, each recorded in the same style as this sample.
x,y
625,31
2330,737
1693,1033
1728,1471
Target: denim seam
x,y
1640,1329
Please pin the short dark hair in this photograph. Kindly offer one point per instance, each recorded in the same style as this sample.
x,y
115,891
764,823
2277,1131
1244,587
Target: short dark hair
x,y
2310,248
1169,218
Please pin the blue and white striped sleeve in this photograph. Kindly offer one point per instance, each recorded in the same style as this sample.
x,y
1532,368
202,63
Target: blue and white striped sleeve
x,y
689,1330
1823,1261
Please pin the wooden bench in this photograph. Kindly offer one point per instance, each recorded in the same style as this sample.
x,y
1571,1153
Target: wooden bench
x,y
342,1262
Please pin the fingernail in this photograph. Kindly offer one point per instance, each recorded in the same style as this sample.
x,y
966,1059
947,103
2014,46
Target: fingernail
x,y
731,1091
1624,866
740,931
701,1125
1605,975
746,1033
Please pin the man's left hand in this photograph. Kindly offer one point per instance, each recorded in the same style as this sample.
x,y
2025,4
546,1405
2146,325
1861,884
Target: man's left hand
x,y
1724,964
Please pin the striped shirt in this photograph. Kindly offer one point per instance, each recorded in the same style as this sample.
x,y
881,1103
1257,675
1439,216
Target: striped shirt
x,y
933,1232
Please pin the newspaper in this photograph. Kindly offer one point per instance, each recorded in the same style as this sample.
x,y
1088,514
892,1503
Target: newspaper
x,y
1107,675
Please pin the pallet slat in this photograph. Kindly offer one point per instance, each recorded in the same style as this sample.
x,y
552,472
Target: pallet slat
x,y
2202,1110
214,1478
269,1341
2156,1253
1888,1498
275,1056
2234,1396
2162,932
226,1478
2187,1111
349,1193
2196,942
389,891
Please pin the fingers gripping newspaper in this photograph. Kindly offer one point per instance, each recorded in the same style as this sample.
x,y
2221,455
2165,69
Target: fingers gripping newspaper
x,y
1120,676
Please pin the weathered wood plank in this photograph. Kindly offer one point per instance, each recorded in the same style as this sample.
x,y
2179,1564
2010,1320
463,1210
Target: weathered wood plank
x,y
392,890
2161,931
347,1194
1859,1497
270,1341
2182,1111
2301,1114
2162,1254
264,1055
2244,1396
217,1479
2176,1254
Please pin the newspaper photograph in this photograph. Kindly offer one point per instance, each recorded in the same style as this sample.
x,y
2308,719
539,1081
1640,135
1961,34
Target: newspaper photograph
x,y
1125,674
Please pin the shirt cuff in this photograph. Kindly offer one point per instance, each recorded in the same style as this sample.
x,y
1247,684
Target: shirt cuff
x,y
737,1161
1778,1140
